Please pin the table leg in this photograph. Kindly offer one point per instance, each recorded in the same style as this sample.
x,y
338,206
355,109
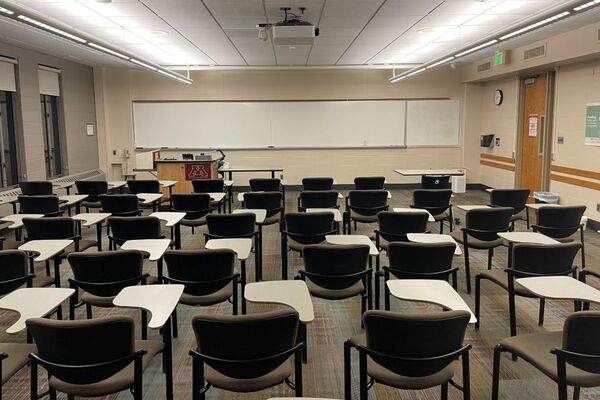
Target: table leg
x,y
303,338
229,194
178,236
77,208
171,195
168,358
57,271
258,272
159,268
230,175
272,174
14,207
99,235
18,234
68,189
243,284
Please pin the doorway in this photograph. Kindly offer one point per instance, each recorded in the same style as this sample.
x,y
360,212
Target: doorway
x,y
535,140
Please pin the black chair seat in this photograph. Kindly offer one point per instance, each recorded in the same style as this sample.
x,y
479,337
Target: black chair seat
x,y
477,243
107,301
120,381
387,377
440,217
193,222
535,349
297,246
363,218
500,278
209,299
91,204
271,220
43,280
275,377
83,246
334,294
18,357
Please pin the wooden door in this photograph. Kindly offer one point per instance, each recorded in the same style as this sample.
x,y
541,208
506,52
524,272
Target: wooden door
x,y
533,113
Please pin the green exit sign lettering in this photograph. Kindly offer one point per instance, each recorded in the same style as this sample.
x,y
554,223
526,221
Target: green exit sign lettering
x,y
500,58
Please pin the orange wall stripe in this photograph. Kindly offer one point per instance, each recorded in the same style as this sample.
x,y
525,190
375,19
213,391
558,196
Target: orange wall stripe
x,y
496,165
576,182
578,172
497,158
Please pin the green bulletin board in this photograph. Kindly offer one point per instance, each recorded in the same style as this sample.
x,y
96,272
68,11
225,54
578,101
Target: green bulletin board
x,y
592,124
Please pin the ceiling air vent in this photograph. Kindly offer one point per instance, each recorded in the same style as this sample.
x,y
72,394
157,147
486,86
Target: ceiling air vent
x,y
534,52
484,67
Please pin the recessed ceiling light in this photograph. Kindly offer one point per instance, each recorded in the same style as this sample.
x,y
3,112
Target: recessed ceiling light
x,y
426,31
158,33
292,48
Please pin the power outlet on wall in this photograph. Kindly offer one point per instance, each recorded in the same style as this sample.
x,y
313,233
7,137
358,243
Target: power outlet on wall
x,y
497,142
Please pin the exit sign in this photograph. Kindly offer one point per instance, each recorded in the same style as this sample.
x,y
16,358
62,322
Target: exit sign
x,y
500,58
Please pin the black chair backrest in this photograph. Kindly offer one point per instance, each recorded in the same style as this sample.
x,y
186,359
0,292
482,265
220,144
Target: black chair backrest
x,y
143,186
435,182
83,343
208,185
319,199
119,204
436,201
515,198
47,205
335,267
202,272
309,228
106,273
265,184
489,220
394,226
409,259
132,228
367,202
36,188
580,339
270,201
539,259
559,222
13,270
49,228
195,205
424,336
231,225
248,345
92,188
369,182
321,183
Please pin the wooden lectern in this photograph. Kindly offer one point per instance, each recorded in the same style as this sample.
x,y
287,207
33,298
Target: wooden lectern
x,y
185,172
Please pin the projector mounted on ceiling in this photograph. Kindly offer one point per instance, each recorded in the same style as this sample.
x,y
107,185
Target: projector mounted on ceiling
x,y
292,31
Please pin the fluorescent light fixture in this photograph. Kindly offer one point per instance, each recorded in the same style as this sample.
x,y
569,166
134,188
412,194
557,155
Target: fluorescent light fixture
x,y
142,64
587,5
107,50
6,11
170,75
52,29
535,25
445,60
474,49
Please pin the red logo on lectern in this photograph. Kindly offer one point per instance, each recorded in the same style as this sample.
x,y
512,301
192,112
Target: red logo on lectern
x,y
197,171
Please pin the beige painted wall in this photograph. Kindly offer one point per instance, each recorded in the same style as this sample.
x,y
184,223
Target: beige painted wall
x,y
575,56
577,85
121,86
77,98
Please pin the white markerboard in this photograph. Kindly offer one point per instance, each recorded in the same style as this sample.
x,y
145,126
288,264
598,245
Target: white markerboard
x,y
432,122
284,124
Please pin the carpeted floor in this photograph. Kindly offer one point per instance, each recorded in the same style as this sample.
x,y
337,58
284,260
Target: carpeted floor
x,y
336,321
